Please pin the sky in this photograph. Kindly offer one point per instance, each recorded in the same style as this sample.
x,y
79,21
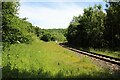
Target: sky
x,y
54,14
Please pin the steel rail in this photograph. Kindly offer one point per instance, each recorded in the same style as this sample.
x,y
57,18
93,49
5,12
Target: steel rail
x,y
95,55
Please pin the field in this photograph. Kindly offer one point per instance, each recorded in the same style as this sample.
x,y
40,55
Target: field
x,y
46,59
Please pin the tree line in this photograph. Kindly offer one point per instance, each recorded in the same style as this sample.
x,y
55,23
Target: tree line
x,y
95,28
51,34
19,30
14,29
92,29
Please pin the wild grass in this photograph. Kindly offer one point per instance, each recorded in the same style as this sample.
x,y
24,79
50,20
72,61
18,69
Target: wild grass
x,y
46,60
106,52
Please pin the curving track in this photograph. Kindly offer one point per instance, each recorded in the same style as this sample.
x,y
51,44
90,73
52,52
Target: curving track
x,y
110,59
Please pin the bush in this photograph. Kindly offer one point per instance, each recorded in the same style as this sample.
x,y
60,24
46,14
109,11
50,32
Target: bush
x,y
46,37
53,39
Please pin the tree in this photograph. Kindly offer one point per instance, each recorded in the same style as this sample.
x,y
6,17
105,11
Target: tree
x,y
9,10
38,31
87,30
56,34
112,26
46,37
14,29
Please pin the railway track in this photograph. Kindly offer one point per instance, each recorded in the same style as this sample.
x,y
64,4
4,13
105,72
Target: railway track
x,y
106,58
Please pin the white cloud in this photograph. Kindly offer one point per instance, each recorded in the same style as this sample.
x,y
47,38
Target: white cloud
x,y
46,17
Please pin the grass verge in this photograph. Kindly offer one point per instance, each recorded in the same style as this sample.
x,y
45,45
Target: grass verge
x,y
46,60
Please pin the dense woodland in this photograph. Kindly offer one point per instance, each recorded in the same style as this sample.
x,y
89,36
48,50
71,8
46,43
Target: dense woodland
x,y
95,28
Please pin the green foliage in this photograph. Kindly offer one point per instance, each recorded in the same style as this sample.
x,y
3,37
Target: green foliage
x,y
95,28
87,30
38,31
55,34
46,37
112,26
106,52
14,29
9,10
17,30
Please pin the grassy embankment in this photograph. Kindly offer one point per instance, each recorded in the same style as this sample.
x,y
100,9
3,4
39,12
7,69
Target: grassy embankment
x,y
106,52
46,59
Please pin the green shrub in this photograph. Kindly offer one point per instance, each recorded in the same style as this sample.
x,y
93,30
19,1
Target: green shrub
x,y
46,37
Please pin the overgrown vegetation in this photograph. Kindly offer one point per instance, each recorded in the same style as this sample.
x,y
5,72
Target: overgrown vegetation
x,y
50,34
14,29
53,35
58,34
47,37
17,30
47,60
95,28
87,30
106,52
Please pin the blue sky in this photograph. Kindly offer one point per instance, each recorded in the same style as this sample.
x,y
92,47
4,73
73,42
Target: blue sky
x,y
53,14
